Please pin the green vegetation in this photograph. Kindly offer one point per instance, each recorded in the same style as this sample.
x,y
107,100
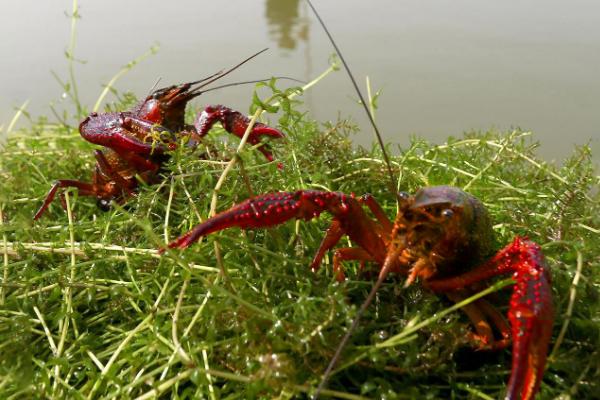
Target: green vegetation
x,y
89,310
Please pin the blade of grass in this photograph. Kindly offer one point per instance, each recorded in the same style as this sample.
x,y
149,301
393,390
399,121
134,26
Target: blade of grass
x,y
3,287
569,312
122,72
70,53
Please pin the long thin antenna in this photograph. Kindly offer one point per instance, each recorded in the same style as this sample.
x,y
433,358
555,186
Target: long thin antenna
x,y
362,100
247,82
390,261
219,75
346,337
154,86
391,257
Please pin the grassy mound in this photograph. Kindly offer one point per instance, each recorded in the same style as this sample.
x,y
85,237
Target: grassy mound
x,y
88,309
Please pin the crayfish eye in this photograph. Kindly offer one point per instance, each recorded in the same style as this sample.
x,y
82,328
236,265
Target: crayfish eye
x,y
103,204
403,196
447,213
158,94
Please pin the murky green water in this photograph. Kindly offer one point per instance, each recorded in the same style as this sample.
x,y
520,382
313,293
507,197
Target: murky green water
x,y
444,66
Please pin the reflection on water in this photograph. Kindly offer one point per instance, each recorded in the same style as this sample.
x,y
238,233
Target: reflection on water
x,y
285,24
289,24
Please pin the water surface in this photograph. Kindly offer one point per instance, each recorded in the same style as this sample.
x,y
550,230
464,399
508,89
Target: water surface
x,y
445,66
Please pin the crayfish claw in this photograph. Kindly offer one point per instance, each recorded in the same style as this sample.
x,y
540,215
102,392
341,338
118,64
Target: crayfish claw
x,y
531,316
236,123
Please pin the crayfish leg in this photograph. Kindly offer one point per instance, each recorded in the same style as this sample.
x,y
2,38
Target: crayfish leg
x,y
332,236
106,168
265,149
481,313
348,254
138,162
499,322
484,334
84,188
378,212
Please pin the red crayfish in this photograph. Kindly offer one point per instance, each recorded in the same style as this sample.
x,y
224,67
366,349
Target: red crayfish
x,y
131,154
443,237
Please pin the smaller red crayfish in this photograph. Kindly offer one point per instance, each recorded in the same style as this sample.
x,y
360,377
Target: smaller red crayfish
x,y
441,236
131,154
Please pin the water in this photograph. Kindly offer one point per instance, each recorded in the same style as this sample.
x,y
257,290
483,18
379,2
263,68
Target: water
x,y
445,66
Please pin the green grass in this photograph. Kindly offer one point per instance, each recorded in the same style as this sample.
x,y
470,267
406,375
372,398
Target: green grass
x,y
89,310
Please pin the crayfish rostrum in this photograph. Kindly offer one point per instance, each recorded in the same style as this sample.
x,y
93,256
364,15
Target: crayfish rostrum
x,y
442,237
132,153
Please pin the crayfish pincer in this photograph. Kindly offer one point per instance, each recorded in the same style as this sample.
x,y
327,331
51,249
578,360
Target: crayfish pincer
x,y
441,236
131,152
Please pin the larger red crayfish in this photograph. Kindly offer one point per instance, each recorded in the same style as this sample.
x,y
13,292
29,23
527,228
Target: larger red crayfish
x,y
441,236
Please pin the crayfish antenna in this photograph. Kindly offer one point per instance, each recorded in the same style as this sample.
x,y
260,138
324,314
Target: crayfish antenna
x,y
248,82
207,81
216,74
391,261
154,86
392,256
362,100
